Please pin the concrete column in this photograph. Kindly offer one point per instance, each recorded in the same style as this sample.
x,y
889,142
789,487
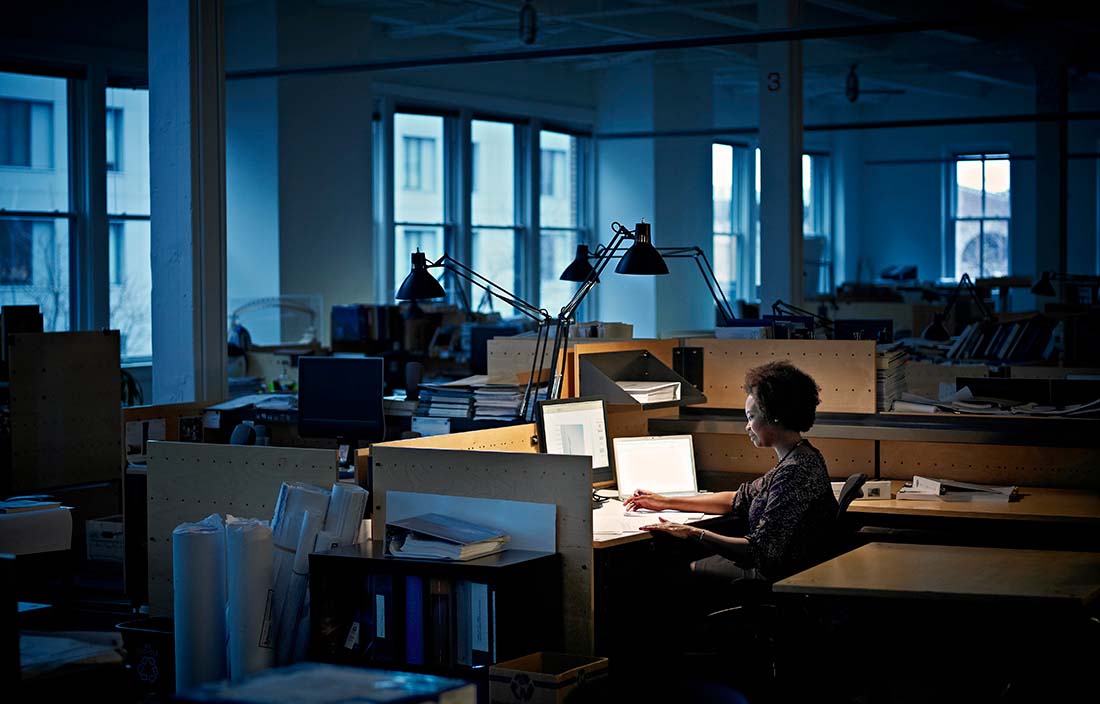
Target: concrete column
x,y
187,194
88,266
1051,170
780,158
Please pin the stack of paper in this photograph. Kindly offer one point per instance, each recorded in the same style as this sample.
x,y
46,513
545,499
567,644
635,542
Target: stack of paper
x,y
926,489
889,374
497,401
651,391
438,537
399,405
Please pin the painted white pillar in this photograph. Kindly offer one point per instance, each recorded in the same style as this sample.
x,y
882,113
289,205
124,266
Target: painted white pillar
x,y
187,199
780,158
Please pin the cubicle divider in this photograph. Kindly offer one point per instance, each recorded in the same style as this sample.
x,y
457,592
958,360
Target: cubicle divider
x,y
844,369
562,480
724,460
189,481
1022,465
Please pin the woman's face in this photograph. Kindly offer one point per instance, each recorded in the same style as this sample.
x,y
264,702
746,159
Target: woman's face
x,y
761,432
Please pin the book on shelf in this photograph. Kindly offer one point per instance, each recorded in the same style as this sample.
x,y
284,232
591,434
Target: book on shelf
x,y
651,391
929,489
438,537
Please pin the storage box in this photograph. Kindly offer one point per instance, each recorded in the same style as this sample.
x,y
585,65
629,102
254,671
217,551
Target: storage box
x,y
544,678
104,538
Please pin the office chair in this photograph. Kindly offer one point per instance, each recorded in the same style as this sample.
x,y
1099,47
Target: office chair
x,y
753,619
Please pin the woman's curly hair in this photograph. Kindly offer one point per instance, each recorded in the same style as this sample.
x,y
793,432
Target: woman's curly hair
x,y
785,394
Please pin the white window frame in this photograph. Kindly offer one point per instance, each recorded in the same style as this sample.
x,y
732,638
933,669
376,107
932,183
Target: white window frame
x,y
949,254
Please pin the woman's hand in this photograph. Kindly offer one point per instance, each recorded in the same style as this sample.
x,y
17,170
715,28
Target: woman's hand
x,y
646,499
676,530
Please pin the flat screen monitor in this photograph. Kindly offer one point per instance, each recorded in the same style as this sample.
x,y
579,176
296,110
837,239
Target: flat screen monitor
x,y
341,397
578,426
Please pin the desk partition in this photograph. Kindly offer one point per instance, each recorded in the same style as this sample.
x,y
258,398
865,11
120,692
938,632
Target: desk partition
x,y
189,481
562,480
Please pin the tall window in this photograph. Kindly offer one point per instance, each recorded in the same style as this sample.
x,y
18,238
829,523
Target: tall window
x,y
129,263
34,190
493,205
495,233
730,170
816,224
980,215
420,217
561,213
419,163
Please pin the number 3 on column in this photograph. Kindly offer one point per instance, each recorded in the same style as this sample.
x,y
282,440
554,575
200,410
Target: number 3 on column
x,y
774,82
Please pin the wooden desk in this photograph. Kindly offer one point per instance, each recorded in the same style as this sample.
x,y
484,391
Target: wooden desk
x,y
983,621
884,570
1063,506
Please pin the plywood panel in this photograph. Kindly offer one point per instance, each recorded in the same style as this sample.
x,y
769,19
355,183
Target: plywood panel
x,y
722,452
1023,465
66,417
189,481
510,438
551,479
844,369
627,422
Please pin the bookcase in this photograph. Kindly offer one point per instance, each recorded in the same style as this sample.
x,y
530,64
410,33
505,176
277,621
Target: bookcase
x,y
439,617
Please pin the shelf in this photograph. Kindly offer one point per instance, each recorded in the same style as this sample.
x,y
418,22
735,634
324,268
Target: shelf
x,y
600,372
973,429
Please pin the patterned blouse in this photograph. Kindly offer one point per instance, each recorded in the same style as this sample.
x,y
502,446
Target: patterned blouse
x,y
790,511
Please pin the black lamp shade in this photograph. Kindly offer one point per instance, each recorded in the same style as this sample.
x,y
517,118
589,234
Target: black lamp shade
x,y
1043,287
936,330
420,284
642,258
579,269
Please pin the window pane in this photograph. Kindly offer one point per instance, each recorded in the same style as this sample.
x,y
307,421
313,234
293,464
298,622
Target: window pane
x,y
725,260
558,187
967,248
721,160
131,287
408,239
494,253
418,169
127,151
968,188
997,191
557,248
494,201
34,267
34,143
995,248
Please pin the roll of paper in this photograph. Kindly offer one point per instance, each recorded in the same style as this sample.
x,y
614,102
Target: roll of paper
x,y
345,511
198,580
249,563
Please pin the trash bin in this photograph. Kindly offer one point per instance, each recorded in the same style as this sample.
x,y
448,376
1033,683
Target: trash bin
x,y
150,655
548,678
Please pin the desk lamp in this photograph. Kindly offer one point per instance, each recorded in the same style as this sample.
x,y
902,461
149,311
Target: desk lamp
x,y
781,307
421,284
937,330
642,258
1044,287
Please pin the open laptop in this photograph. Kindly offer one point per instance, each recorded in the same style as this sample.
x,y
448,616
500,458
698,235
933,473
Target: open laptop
x,y
663,464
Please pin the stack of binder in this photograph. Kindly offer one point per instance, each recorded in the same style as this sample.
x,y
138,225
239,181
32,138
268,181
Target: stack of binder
x,y
889,374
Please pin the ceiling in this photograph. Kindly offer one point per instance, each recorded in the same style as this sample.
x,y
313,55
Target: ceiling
x,y
995,53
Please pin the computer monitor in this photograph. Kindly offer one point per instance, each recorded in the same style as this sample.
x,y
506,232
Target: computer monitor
x,y
341,398
578,426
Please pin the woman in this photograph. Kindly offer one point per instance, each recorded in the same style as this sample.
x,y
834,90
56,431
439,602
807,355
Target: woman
x,y
790,511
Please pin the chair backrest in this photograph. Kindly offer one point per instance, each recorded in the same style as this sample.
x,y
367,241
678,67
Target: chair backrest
x,y
852,490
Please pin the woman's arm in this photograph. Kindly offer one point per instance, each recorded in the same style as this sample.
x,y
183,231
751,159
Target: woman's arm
x,y
718,503
732,548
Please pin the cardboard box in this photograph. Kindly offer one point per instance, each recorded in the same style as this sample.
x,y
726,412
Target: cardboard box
x,y
104,538
543,678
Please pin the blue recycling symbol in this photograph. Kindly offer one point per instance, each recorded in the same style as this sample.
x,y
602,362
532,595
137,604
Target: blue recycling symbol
x,y
147,667
522,687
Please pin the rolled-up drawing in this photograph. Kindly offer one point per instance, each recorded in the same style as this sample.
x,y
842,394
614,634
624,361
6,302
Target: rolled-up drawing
x,y
198,581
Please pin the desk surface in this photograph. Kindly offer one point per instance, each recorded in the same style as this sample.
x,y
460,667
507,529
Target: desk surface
x,y
1034,504
611,527
889,570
